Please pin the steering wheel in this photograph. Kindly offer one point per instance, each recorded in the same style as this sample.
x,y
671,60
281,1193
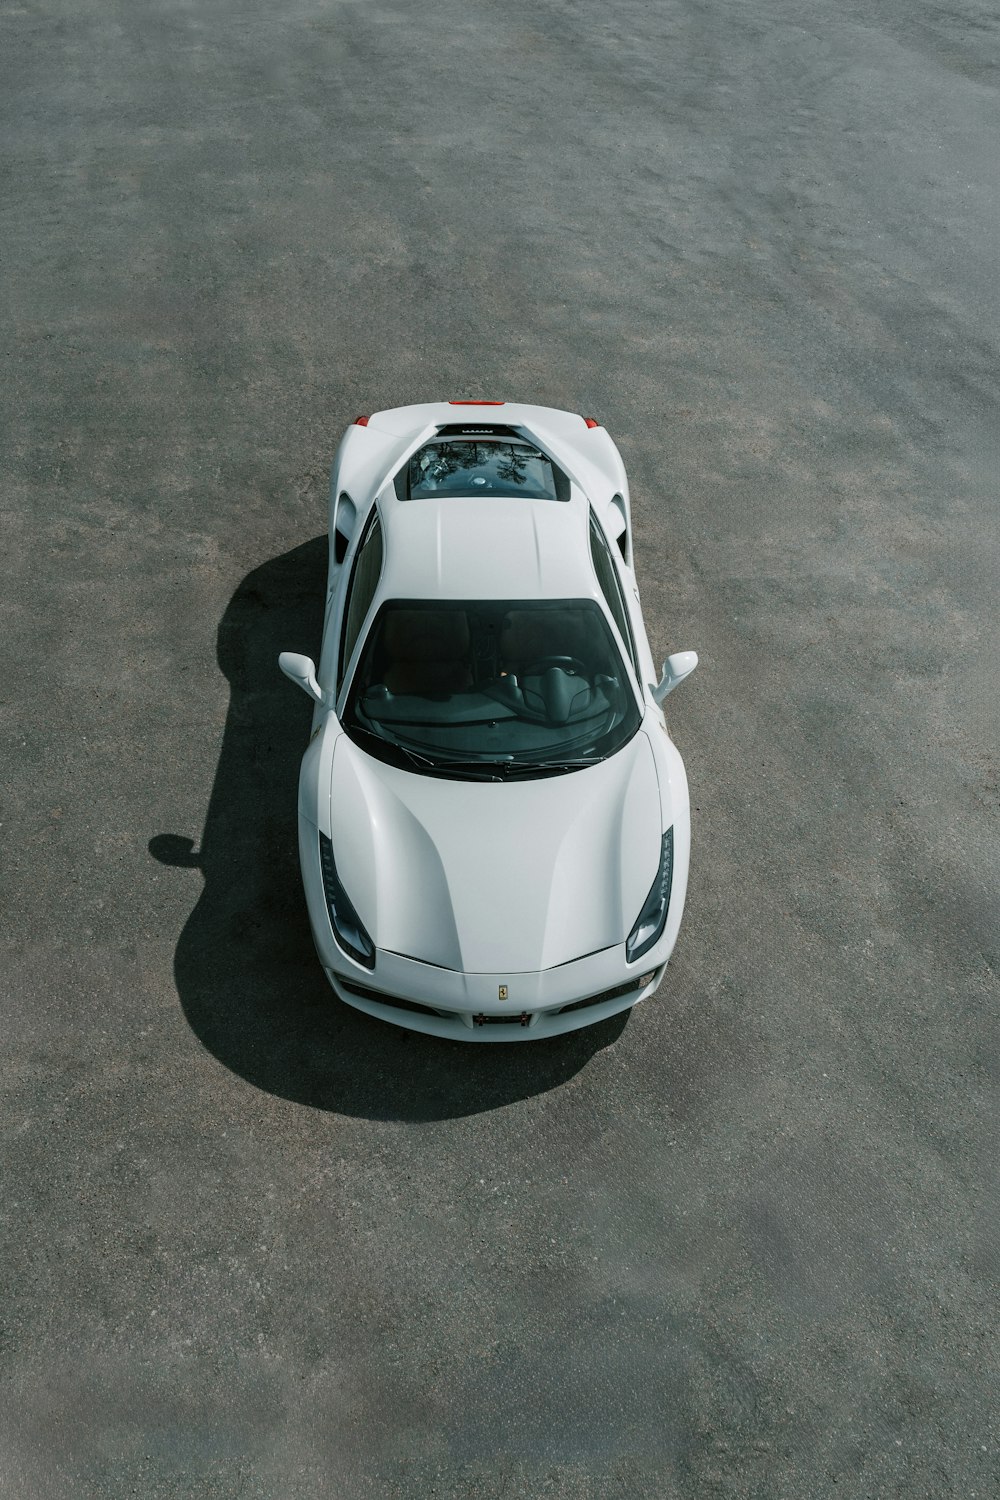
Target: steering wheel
x,y
541,663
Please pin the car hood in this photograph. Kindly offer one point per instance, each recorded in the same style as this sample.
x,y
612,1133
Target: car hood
x,y
491,877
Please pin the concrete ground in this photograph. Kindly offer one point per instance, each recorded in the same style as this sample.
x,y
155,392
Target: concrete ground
x,y
744,1245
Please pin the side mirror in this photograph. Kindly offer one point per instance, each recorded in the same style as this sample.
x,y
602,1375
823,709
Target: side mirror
x,y
302,671
676,667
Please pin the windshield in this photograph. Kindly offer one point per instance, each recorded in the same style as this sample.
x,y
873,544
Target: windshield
x,y
496,688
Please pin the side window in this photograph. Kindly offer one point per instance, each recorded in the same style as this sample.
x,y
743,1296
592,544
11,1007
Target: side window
x,y
360,591
611,588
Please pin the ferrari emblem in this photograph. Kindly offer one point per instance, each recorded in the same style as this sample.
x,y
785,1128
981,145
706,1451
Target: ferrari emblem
x,y
503,992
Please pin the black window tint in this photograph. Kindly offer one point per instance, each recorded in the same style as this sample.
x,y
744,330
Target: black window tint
x,y
361,590
494,687
611,588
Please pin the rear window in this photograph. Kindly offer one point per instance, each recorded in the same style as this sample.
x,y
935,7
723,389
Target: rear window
x,y
469,466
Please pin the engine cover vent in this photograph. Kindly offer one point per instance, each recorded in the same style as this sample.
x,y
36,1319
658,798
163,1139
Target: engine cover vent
x,y
477,429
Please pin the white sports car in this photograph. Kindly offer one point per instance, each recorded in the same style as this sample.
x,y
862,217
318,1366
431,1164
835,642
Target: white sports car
x,y
493,821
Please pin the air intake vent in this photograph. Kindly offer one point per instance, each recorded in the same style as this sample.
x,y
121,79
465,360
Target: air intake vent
x,y
477,429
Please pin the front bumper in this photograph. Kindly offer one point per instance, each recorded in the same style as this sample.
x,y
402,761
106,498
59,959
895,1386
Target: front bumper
x,y
467,1008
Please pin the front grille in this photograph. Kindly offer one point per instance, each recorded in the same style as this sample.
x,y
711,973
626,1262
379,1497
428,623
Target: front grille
x,y
508,1018
396,1001
627,988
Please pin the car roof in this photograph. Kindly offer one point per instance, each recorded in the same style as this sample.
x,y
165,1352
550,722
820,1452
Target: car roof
x,y
487,547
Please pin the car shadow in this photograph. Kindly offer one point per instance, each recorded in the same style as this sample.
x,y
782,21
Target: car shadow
x,y
245,967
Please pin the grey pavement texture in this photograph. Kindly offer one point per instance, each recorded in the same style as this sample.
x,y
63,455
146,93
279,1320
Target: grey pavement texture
x,y
744,1245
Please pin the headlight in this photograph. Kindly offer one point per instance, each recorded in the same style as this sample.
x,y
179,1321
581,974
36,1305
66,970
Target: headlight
x,y
346,923
652,919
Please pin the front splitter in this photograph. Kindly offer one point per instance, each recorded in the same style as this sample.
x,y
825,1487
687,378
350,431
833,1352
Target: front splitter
x,y
468,1008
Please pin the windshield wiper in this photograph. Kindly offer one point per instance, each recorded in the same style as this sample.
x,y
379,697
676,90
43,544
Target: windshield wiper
x,y
508,769
413,756
511,769
471,770
531,767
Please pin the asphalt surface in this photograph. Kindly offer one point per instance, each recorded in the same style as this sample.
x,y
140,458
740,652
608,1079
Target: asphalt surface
x,y
744,1245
